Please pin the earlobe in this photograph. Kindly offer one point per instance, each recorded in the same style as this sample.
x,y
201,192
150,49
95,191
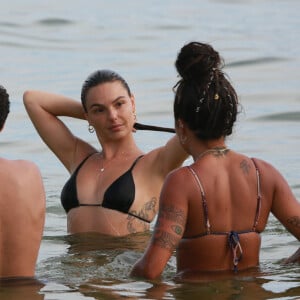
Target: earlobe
x,y
181,132
180,124
133,106
132,98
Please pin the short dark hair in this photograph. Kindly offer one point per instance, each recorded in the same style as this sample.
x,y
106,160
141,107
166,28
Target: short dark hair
x,y
4,105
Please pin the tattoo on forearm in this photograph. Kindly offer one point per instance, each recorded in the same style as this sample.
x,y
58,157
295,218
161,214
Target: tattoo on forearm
x,y
147,212
295,221
172,213
165,239
245,166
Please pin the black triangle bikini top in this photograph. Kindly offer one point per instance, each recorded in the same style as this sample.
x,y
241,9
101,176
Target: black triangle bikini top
x,y
118,196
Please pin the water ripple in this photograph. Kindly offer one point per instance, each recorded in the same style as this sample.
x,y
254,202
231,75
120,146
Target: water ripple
x,y
9,24
172,27
10,34
55,22
285,116
255,61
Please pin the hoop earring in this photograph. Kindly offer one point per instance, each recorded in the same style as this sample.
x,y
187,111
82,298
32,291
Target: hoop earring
x,y
134,115
91,129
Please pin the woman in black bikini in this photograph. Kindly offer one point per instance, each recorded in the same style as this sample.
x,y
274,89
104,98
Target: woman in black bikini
x,y
114,191
213,211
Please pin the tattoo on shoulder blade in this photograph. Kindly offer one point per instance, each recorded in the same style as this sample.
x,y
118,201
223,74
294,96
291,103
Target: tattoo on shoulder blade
x,y
295,221
244,165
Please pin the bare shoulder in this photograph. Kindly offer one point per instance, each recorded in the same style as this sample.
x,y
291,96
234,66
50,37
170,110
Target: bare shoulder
x,y
267,169
262,163
20,171
179,174
166,158
25,166
22,184
178,181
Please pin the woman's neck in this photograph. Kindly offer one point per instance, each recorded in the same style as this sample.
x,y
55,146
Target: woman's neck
x,y
111,150
200,148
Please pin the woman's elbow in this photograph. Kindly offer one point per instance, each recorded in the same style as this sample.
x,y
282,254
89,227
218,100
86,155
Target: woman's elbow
x,y
145,275
27,97
145,272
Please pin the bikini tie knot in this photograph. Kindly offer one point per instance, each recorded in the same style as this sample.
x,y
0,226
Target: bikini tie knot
x,y
236,248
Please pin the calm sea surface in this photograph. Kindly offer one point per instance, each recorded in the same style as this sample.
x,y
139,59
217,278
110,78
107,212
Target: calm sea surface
x,y
53,45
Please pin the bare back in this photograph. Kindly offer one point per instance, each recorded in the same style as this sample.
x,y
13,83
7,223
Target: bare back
x,y
221,233
22,216
226,211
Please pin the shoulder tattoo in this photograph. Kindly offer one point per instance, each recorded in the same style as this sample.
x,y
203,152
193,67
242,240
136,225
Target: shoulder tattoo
x,y
245,166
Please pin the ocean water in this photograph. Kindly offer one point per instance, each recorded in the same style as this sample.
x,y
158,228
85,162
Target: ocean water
x,y
54,45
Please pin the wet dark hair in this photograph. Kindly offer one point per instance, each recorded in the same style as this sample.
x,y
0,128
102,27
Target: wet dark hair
x,y
104,76
204,98
99,77
4,105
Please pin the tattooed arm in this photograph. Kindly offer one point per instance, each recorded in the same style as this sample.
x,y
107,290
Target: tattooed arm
x,y
285,206
168,230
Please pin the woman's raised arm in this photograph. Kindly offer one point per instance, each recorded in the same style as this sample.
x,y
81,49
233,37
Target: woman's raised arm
x,y
44,110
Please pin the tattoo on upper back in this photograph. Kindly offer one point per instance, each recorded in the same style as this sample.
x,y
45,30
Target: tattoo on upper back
x,y
245,166
295,221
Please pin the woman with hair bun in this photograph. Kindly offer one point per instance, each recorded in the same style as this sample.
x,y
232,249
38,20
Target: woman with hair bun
x,y
213,211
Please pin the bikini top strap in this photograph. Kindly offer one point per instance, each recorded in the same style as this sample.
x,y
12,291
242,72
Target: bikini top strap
x,y
204,202
82,162
258,207
134,163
